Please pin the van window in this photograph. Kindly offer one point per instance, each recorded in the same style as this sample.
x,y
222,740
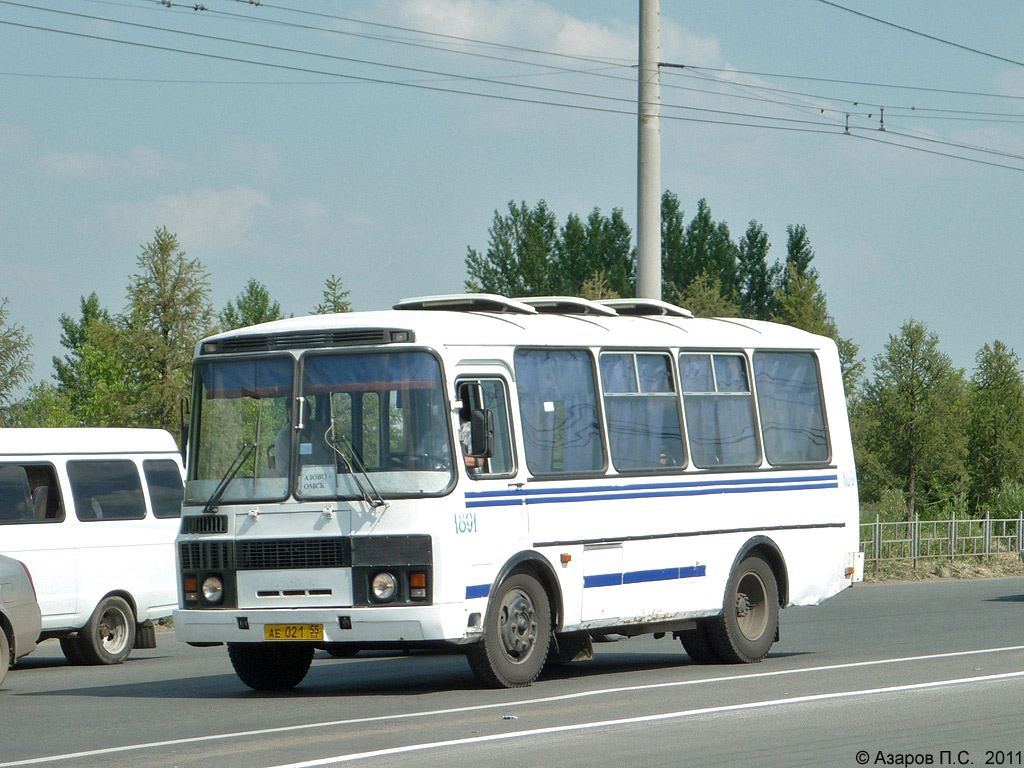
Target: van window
x,y
29,493
106,490
164,482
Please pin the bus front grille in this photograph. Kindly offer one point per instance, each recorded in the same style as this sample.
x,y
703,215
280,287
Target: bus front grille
x,y
287,554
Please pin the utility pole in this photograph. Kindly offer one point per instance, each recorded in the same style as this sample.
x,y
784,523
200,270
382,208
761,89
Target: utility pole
x,y
648,176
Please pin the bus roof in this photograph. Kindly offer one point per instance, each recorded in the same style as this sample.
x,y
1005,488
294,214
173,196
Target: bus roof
x,y
448,321
84,440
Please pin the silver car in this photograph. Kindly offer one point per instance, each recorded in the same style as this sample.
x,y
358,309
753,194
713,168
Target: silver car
x,y
20,621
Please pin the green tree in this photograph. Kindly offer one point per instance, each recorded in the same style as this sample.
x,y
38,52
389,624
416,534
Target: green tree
x,y
335,298
757,279
15,358
44,406
602,245
799,253
73,380
251,307
913,409
706,248
168,312
996,424
703,296
521,252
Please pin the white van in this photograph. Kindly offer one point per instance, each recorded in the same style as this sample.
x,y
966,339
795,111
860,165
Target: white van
x,y
93,514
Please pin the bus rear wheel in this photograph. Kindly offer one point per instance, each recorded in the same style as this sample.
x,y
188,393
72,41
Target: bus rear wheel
x,y
269,666
747,627
517,635
697,643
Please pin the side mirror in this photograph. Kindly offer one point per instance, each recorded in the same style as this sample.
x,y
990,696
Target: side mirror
x,y
481,434
185,414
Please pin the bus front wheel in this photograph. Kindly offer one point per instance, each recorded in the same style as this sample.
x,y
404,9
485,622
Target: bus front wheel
x,y
269,666
749,622
516,637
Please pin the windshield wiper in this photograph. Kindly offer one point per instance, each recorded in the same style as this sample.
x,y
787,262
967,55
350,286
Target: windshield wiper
x,y
236,464
355,468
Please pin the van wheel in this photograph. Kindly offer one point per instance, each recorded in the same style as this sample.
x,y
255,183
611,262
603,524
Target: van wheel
x,y
270,666
517,635
5,655
109,636
745,631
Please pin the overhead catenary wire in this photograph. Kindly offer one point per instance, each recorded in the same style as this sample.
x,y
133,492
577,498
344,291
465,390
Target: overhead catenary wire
x,y
764,121
918,33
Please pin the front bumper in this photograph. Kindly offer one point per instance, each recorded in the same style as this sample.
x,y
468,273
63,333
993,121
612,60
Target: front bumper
x,y
401,624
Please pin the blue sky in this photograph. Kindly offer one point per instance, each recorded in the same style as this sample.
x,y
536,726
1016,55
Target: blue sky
x,y
295,172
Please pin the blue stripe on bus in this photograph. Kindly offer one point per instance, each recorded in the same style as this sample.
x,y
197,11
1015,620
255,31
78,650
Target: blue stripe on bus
x,y
640,577
647,491
523,492
480,590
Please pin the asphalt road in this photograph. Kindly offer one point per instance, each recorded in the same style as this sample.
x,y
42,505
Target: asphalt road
x,y
928,673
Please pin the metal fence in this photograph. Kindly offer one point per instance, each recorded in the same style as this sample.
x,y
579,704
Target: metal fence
x,y
917,539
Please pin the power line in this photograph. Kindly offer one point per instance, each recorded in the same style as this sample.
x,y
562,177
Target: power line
x,y
925,35
404,68
819,127
869,84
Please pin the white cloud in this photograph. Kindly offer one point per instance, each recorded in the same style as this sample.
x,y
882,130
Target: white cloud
x,y
141,163
205,220
535,24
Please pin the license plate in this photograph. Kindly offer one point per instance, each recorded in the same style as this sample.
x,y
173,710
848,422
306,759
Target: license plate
x,y
293,632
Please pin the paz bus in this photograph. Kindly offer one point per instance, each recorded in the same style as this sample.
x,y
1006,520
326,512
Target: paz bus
x,y
515,478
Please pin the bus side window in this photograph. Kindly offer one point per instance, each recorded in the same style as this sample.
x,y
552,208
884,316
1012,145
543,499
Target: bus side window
x,y
490,395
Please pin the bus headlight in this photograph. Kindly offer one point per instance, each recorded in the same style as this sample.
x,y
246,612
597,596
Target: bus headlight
x,y
384,587
213,589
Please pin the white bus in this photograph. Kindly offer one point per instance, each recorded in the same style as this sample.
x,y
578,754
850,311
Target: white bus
x,y
513,477
93,514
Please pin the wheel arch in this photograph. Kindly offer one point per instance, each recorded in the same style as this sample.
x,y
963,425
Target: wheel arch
x,y
770,552
8,630
538,566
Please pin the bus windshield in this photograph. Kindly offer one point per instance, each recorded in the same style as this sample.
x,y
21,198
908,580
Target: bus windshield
x,y
373,417
368,423
241,403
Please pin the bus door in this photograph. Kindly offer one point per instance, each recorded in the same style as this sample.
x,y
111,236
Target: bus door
x,y
493,518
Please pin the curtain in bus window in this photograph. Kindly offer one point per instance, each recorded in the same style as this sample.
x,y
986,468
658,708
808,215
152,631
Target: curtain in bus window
x,y
642,411
789,397
719,410
558,405
247,378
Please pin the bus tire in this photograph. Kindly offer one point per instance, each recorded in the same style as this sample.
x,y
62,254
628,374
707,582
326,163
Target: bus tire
x,y
697,644
341,650
109,635
270,666
516,637
746,629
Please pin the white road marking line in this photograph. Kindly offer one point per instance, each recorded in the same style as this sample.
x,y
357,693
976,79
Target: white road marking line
x,y
505,704
643,719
